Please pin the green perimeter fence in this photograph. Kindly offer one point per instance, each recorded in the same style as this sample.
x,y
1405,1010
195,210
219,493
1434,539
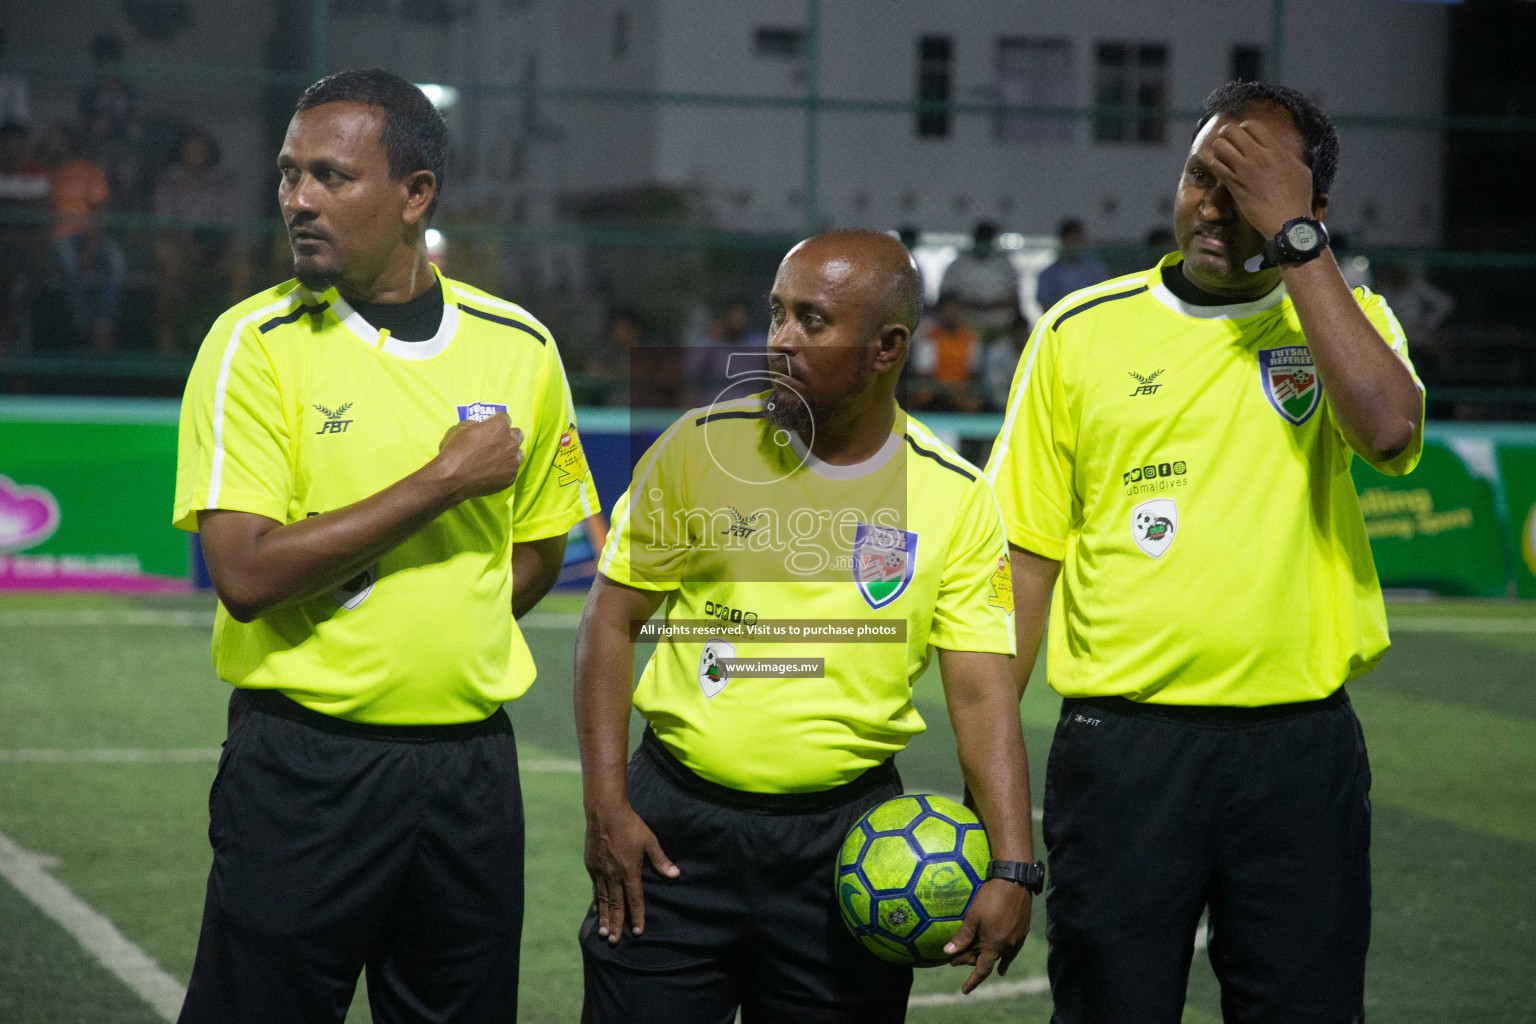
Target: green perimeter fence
x,y
653,253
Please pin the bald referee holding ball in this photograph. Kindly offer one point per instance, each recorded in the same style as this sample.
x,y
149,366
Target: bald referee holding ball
x,y
713,854
1175,461
383,465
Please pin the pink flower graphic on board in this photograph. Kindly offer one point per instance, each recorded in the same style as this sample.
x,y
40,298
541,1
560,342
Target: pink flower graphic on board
x,y
28,515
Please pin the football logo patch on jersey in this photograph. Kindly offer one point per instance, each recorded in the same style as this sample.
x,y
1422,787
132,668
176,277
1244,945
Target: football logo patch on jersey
x,y
712,674
356,590
884,561
479,411
1290,381
1002,587
569,459
1154,524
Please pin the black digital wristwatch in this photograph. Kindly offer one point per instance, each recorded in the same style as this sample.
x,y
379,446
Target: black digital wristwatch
x,y
1030,876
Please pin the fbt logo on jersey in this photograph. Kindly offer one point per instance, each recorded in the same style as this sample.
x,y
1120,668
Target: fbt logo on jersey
x,y
479,411
1154,524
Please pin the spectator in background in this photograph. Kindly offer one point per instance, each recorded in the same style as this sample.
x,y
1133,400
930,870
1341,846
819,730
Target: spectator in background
x,y
706,365
1160,242
946,360
908,236
23,187
985,283
614,364
1420,308
109,113
79,191
1074,268
15,98
1000,361
208,254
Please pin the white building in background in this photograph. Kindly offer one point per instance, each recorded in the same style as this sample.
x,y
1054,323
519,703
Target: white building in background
x,y
565,155
884,167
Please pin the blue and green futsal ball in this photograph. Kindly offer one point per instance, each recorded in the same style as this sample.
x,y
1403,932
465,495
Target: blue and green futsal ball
x,y
907,874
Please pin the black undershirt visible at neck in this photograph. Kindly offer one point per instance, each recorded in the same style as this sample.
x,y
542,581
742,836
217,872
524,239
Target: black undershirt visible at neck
x,y
1181,286
415,320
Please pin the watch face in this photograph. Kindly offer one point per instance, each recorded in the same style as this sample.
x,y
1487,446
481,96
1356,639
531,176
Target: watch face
x,y
1302,237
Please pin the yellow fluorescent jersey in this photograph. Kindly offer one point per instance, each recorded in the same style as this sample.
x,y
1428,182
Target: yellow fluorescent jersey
x,y
1184,466
296,406
738,528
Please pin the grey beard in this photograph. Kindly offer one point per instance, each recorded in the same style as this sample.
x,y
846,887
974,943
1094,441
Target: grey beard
x,y
786,410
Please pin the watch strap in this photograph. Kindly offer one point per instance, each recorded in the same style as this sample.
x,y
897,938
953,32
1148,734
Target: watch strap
x,y
1030,876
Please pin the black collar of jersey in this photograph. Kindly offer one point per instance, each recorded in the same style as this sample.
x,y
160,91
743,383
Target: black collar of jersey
x,y
414,320
1187,291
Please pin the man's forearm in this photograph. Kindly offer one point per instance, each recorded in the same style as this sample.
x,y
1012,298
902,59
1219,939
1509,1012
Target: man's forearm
x,y
985,715
604,675
1373,396
535,570
996,771
263,569
1033,580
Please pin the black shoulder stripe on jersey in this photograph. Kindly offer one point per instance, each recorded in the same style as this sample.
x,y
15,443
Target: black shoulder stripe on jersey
x,y
936,457
743,415
504,321
293,315
1094,302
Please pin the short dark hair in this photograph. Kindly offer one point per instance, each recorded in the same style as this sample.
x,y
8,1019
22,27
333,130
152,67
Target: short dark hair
x,y
414,137
984,232
1070,226
1320,141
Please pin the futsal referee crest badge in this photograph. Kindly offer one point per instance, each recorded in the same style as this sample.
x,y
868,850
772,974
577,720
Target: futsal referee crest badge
x,y
479,411
884,561
1290,381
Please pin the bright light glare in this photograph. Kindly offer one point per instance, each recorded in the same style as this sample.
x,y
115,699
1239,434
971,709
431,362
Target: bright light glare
x,y
434,238
441,96
1010,240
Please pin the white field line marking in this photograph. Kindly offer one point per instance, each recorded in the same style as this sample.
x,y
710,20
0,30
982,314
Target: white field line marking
x,y
106,755
1449,624
129,755
106,617
23,617
95,933
1010,989
990,989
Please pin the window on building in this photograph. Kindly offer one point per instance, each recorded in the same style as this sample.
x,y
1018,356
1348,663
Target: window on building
x,y
1131,93
778,43
620,36
1034,73
1247,63
935,73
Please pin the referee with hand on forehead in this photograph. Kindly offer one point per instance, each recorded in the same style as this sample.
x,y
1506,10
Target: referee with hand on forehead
x,y
1175,460
713,855
372,521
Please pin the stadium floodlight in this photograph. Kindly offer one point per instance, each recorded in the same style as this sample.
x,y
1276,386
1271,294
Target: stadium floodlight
x,y
441,96
434,238
1010,240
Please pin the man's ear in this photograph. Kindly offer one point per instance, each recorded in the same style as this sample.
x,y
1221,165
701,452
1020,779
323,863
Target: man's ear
x,y
1320,206
892,346
420,190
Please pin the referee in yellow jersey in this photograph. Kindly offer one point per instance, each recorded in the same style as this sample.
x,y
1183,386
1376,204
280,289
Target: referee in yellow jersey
x,y
1175,460
714,854
382,464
